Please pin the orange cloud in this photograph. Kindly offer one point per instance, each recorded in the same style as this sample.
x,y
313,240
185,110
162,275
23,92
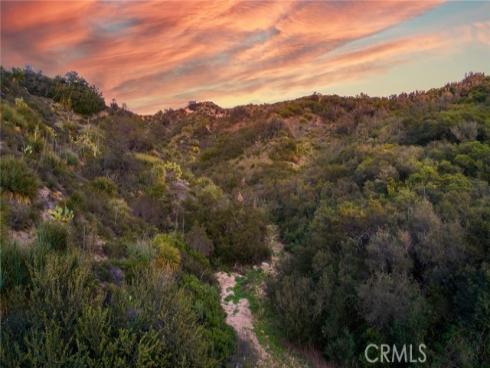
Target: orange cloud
x,y
155,54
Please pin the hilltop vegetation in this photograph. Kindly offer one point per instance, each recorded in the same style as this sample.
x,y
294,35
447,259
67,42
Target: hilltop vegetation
x,y
113,223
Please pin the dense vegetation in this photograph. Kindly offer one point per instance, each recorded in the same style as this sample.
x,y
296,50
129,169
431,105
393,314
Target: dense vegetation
x,y
391,225
112,223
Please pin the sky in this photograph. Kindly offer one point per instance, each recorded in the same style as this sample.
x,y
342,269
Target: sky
x,y
154,55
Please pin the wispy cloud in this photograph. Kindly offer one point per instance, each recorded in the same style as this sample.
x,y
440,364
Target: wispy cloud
x,y
159,54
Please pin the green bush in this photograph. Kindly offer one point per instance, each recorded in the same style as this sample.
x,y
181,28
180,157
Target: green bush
x,y
105,185
14,266
51,166
19,216
70,157
140,256
242,240
286,150
210,315
63,318
198,240
237,231
168,253
17,178
10,114
116,248
54,171
141,249
71,90
53,235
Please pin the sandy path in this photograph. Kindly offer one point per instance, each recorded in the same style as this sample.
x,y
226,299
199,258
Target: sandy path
x,y
239,316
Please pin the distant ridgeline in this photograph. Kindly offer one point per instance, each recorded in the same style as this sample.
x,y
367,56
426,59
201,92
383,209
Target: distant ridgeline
x,y
112,224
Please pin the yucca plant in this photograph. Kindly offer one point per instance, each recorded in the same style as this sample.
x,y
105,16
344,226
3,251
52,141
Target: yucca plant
x,y
61,214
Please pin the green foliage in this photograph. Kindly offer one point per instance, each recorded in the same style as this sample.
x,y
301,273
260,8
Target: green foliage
x,y
105,185
290,109
211,316
19,215
237,231
17,178
53,170
141,249
286,150
226,149
10,114
168,251
66,320
386,237
173,169
88,142
61,214
116,248
198,240
70,157
14,266
378,255
53,235
72,91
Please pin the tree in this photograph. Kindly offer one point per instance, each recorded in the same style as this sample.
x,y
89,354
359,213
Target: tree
x,y
198,240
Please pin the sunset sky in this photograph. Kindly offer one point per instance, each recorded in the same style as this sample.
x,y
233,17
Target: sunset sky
x,y
155,55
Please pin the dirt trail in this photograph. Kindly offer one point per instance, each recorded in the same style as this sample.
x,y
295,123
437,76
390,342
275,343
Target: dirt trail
x,y
239,316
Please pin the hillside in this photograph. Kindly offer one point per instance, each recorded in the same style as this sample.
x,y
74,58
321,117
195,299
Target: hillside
x,y
114,224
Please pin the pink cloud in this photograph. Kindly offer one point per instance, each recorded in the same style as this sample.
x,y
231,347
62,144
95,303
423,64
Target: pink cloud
x,y
158,54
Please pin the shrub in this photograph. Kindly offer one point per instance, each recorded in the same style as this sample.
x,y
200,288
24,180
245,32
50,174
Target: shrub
x,y
199,241
64,319
211,316
141,249
286,150
70,157
53,235
290,109
20,216
9,113
71,90
116,249
34,145
241,240
104,185
13,270
168,253
50,163
120,212
17,178
139,256
54,171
